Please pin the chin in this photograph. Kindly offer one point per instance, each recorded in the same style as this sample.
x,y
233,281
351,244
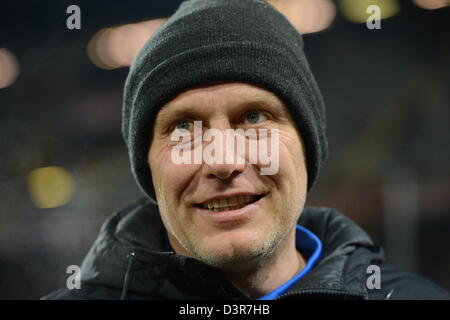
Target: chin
x,y
237,255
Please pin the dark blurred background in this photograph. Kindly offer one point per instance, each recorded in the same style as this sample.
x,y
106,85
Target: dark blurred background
x,y
64,166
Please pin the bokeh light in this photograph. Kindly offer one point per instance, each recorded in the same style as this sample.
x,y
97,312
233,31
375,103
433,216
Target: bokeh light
x,y
50,187
356,10
307,16
9,68
432,4
116,47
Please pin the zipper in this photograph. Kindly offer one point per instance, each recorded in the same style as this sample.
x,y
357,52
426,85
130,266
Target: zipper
x,y
126,281
303,292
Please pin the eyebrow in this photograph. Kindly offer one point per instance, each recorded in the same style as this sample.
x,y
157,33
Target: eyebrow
x,y
176,112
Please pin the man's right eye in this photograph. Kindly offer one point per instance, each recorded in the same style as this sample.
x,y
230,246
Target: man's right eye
x,y
186,125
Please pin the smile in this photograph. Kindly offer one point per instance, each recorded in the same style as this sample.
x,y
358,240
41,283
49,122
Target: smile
x,y
230,203
236,208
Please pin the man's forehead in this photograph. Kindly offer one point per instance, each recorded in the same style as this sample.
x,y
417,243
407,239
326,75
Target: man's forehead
x,y
234,94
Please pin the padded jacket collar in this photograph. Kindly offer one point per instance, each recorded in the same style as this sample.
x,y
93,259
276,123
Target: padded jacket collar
x,y
128,260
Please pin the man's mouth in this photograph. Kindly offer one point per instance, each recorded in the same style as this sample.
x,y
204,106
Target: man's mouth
x,y
230,203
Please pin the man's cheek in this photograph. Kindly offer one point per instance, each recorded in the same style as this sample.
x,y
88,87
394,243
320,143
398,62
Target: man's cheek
x,y
292,159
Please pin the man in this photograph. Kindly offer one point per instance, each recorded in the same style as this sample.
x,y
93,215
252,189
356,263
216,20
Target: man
x,y
216,223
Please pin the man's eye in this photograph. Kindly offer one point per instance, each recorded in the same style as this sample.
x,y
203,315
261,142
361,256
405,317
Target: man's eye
x,y
184,125
255,117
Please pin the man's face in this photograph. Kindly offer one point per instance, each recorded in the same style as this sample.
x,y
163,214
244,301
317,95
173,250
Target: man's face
x,y
260,211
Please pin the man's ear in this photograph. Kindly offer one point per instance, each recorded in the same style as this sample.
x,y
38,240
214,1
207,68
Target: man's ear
x,y
306,16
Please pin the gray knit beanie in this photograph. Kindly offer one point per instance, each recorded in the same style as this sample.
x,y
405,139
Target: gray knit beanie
x,y
221,40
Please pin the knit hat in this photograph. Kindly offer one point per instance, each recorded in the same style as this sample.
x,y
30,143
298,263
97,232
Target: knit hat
x,y
221,40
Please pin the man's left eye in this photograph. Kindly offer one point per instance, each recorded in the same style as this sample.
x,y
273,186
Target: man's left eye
x,y
255,117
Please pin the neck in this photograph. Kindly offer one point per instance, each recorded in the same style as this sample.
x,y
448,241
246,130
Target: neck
x,y
283,264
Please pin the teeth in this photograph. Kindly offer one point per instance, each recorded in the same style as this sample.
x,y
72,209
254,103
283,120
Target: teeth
x,y
227,204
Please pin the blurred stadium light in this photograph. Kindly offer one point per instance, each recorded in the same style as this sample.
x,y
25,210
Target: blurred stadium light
x,y
355,10
9,68
432,4
307,16
50,187
116,47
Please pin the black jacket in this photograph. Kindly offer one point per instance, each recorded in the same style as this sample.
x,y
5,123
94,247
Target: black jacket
x,y
128,261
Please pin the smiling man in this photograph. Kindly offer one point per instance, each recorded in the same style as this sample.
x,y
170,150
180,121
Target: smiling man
x,y
229,215
222,228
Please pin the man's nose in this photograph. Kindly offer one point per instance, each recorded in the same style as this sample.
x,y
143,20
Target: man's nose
x,y
232,161
224,171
